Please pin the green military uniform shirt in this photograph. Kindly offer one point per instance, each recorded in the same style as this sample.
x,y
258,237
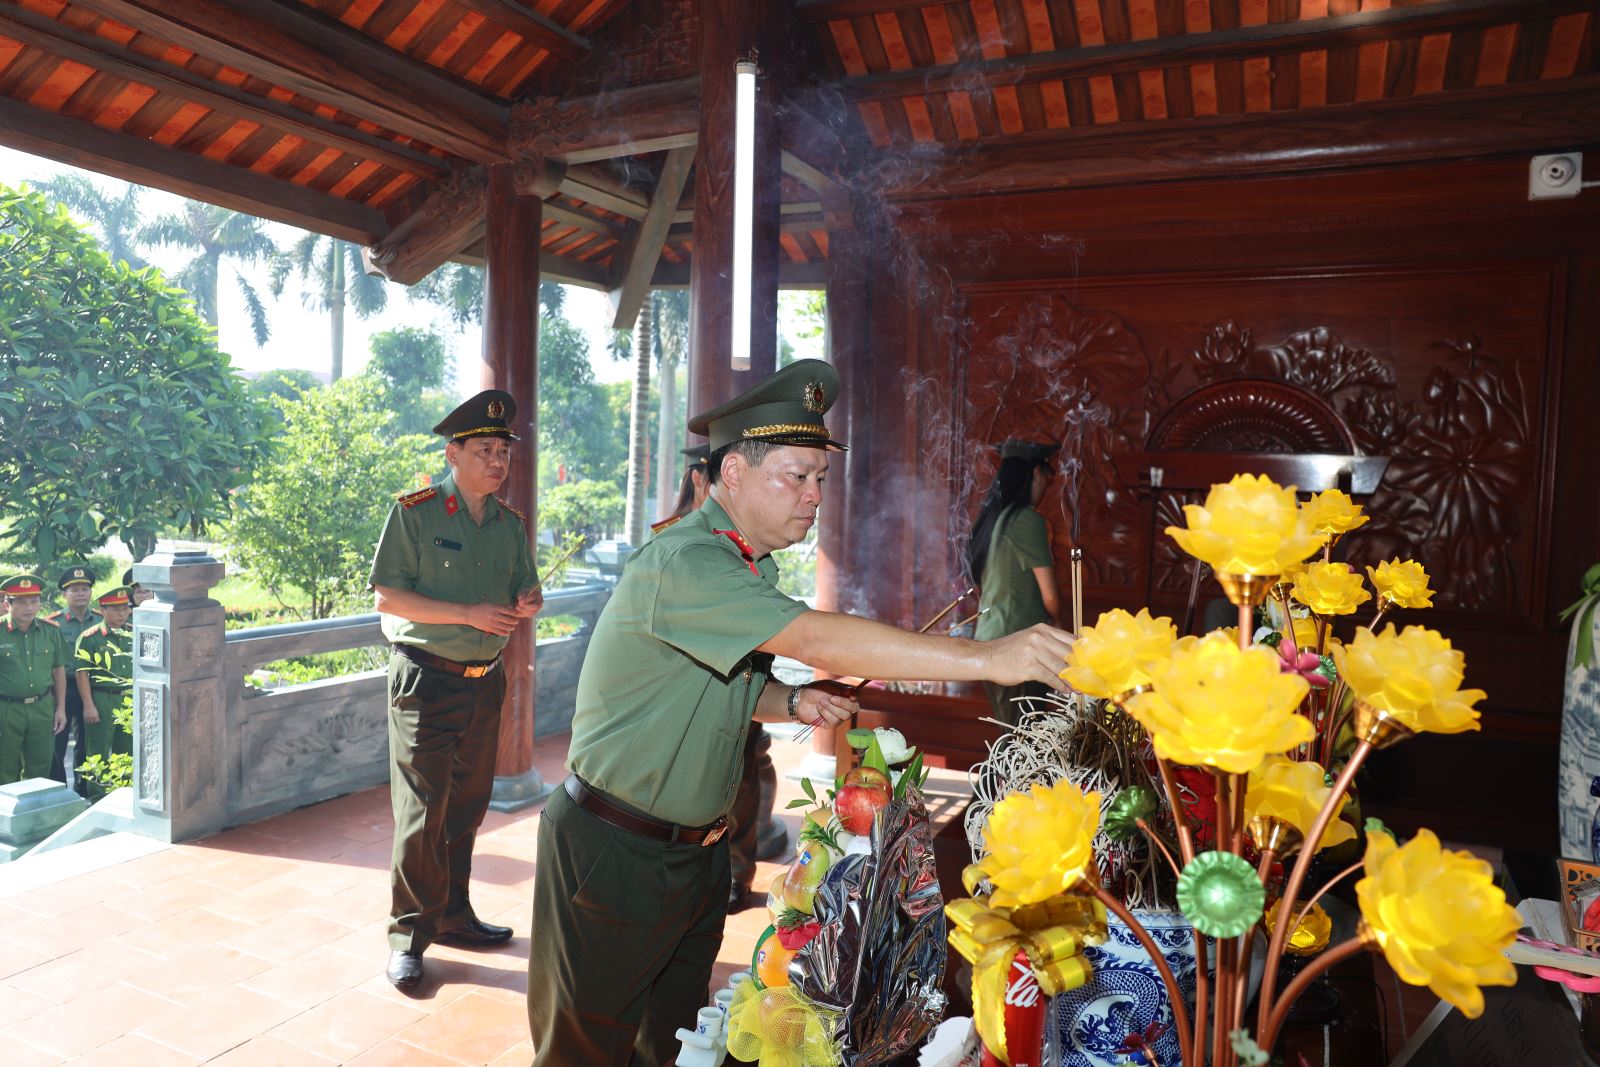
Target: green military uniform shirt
x,y
430,545
28,659
1020,542
671,677
73,628
107,655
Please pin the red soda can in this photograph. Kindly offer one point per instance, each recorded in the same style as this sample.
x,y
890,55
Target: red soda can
x,y
1027,1010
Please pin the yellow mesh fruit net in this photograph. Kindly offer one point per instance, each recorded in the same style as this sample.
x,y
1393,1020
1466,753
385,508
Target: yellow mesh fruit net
x,y
777,1027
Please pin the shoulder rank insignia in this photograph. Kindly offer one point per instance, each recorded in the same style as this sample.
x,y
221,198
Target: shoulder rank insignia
x,y
52,621
513,510
657,527
412,499
53,616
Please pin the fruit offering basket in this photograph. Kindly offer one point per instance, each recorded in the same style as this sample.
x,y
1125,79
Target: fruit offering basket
x,y
851,968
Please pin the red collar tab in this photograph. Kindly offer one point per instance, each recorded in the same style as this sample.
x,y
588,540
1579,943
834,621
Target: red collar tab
x,y
743,546
451,504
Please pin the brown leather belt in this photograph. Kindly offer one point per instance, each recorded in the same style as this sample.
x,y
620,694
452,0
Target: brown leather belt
x,y
597,805
449,666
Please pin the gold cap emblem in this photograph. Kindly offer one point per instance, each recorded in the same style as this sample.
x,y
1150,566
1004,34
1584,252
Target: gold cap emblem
x,y
813,397
496,410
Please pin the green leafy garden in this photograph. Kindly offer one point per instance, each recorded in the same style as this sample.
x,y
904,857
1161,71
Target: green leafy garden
x,y
118,414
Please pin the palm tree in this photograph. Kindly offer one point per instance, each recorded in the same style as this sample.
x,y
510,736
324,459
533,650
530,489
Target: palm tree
x,y
116,217
672,345
333,276
215,234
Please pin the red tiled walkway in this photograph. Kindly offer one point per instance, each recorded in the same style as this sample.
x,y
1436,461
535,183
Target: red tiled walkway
x,y
264,945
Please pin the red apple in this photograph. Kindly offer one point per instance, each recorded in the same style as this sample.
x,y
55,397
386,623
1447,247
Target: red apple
x,y
855,805
866,776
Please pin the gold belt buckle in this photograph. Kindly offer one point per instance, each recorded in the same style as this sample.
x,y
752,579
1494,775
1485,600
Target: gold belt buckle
x,y
475,672
716,834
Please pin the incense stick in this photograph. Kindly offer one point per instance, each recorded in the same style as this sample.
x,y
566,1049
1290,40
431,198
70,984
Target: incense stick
x,y
560,560
1077,591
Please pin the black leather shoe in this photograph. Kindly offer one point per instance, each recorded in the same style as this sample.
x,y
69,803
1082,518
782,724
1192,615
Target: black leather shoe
x,y
475,932
405,969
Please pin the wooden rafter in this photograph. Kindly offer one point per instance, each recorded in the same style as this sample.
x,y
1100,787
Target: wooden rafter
x,y
829,10
290,45
134,159
636,263
530,26
1244,42
1524,117
806,174
634,121
568,217
47,34
593,186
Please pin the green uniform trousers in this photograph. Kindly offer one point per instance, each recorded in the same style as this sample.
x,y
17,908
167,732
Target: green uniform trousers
x,y
625,933
443,734
27,738
104,737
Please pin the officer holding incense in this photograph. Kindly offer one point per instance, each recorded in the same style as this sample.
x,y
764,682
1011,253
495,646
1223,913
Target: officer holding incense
x,y
33,682
453,576
75,585
631,888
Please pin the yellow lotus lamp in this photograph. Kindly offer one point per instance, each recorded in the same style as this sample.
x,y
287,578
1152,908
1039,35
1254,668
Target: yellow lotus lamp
x,y
1405,683
1217,705
1249,530
1330,589
1438,918
1040,843
1110,658
1332,512
1281,806
1402,584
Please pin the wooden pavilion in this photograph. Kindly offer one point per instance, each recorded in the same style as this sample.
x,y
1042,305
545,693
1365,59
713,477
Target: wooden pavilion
x,y
1165,232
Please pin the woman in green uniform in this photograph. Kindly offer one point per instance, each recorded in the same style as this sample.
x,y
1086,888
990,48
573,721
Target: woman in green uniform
x,y
1009,560
104,664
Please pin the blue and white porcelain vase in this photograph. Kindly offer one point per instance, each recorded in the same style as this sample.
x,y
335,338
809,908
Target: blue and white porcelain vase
x,y
1092,1023
1580,720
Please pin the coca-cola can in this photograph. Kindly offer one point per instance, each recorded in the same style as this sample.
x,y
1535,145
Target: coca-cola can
x,y
1026,1011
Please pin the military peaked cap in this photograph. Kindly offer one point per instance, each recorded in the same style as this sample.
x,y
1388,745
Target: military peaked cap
x,y
1033,451
785,409
76,576
699,455
489,414
23,585
114,597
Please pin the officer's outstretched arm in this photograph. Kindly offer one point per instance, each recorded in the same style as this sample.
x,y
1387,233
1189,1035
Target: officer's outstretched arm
x,y
850,645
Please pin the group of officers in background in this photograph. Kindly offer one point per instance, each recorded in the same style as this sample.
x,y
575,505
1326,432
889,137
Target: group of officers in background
x,y
63,674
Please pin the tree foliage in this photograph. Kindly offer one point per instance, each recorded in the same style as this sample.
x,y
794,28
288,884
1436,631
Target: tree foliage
x,y
115,217
578,428
118,415
332,278
410,365
215,234
587,507
311,520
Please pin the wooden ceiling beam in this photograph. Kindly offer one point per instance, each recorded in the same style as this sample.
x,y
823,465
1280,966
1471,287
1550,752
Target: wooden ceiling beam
x,y
628,122
1526,117
552,268
531,27
291,45
1244,42
831,10
790,275
133,159
634,264
593,186
46,34
449,219
568,217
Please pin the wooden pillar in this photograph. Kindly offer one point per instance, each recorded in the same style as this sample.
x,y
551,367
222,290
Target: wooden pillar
x,y
510,362
731,30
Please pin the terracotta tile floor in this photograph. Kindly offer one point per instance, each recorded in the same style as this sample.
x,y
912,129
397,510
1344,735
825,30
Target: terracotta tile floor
x,y
265,945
